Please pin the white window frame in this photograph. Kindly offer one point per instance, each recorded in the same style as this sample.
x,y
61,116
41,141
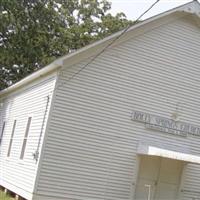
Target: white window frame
x,y
11,138
2,131
25,138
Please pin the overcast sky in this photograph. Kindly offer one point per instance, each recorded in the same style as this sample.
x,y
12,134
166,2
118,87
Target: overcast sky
x,y
134,8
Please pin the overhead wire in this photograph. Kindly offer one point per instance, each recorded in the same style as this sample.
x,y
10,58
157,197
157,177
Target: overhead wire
x,y
107,46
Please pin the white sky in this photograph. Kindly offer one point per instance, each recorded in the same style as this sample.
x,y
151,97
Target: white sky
x,y
134,8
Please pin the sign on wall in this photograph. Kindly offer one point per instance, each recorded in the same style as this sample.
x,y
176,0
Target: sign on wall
x,y
163,124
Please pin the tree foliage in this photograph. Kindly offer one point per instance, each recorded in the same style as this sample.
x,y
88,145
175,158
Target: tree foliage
x,y
35,32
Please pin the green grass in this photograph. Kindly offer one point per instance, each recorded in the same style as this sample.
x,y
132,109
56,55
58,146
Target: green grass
x,y
3,196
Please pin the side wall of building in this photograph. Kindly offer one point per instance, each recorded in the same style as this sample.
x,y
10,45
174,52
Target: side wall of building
x,y
33,100
91,147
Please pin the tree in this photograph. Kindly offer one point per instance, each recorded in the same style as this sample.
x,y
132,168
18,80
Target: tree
x,y
35,32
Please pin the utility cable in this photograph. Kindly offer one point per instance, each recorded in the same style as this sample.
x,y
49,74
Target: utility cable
x,y
106,47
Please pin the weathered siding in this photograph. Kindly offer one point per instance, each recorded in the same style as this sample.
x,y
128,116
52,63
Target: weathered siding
x,y
90,149
19,175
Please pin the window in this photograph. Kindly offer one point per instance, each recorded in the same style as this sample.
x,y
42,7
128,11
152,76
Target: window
x,y
2,131
25,138
11,138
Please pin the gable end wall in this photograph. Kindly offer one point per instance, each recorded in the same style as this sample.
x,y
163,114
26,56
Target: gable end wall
x,y
90,151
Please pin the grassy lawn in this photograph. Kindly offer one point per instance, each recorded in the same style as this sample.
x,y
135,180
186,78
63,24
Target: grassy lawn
x,y
4,197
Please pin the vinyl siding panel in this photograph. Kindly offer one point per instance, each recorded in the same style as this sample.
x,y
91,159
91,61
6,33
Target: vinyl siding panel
x,y
90,149
19,175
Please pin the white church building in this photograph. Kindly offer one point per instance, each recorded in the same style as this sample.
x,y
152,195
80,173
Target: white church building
x,y
123,125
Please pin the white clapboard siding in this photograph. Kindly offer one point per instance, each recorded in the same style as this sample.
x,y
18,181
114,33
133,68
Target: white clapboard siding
x,y
30,101
91,144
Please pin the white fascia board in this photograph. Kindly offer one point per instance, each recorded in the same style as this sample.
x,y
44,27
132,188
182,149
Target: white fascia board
x,y
93,49
38,74
192,7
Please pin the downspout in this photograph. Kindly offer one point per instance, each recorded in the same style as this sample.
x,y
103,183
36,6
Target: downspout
x,y
36,154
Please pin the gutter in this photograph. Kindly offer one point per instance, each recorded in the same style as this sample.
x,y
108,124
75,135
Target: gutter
x,y
191,7
38,74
